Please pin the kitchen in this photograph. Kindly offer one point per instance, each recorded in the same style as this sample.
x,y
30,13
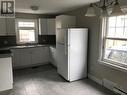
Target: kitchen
x,y
36,44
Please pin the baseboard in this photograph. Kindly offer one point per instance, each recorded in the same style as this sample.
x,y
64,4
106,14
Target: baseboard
x,y
112,86
29,66
99,81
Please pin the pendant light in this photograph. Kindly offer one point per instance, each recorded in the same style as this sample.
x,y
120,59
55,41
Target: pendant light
x,y
90,12
104,5
116,9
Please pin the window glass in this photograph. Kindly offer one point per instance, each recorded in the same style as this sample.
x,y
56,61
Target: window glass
x,y
119,32
26,31
112,21
111,32
115,50
26,24
27,36
115,42
120,21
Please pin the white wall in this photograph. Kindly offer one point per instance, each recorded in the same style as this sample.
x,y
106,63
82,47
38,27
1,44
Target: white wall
x,y
95,69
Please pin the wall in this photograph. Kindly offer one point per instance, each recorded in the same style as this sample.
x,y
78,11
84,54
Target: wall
x,y
94,68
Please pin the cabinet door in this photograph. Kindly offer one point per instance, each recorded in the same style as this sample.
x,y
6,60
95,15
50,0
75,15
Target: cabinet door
x,y
37,54
3,27
43,26
53,56
21,57
51,26
65,21
25,57
58,22
45,54
16,57
10,22
40,55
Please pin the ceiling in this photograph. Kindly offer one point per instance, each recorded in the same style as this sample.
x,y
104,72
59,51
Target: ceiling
x,y
50,6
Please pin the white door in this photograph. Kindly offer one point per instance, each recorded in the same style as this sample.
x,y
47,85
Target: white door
x,y
62,61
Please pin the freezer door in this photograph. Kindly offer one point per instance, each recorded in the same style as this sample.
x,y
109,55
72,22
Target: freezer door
x,y
61,36
62,61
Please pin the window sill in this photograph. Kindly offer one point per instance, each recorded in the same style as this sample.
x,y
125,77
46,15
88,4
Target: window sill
x,y
113,66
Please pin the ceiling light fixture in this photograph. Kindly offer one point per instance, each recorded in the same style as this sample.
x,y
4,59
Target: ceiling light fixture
x,y
104,5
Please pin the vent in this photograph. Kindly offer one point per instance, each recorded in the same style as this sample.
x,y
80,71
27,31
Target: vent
x,y
119,91
109,84
113,87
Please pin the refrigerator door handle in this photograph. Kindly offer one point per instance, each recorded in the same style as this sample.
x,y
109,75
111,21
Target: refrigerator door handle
x,y
65,42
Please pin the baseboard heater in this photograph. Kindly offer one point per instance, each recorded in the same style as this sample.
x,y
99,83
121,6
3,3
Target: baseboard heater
x,y
119,91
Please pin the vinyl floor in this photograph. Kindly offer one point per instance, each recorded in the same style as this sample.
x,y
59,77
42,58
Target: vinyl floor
x,y
44,80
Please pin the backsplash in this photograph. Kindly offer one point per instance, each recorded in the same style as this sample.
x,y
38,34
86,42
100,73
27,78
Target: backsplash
x,y
6,41
47,39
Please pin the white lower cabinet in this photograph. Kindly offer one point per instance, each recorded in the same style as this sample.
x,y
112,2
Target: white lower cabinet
x,y
30,56
53,56
21,57
40,55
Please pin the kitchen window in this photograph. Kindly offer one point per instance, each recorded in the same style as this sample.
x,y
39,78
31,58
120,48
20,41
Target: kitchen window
x,y
27,31
114,41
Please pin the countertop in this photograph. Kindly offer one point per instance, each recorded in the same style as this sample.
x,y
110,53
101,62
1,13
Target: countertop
x,y
6,51
5,55
25,46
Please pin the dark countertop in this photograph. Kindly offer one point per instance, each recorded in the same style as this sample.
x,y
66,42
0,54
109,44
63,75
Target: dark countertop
x,y
5,55
26,46
6,51
30,46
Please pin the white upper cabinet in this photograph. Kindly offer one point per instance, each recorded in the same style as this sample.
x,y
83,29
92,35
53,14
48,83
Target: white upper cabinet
x,y
51,26
10,22
46,26
7,26
3,27
42,26
65,21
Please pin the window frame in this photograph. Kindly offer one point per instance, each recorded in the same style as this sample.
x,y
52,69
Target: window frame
x,y
26,28
102,60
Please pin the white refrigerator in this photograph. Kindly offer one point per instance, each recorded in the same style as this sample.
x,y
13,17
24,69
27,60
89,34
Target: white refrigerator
x,y
71,53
